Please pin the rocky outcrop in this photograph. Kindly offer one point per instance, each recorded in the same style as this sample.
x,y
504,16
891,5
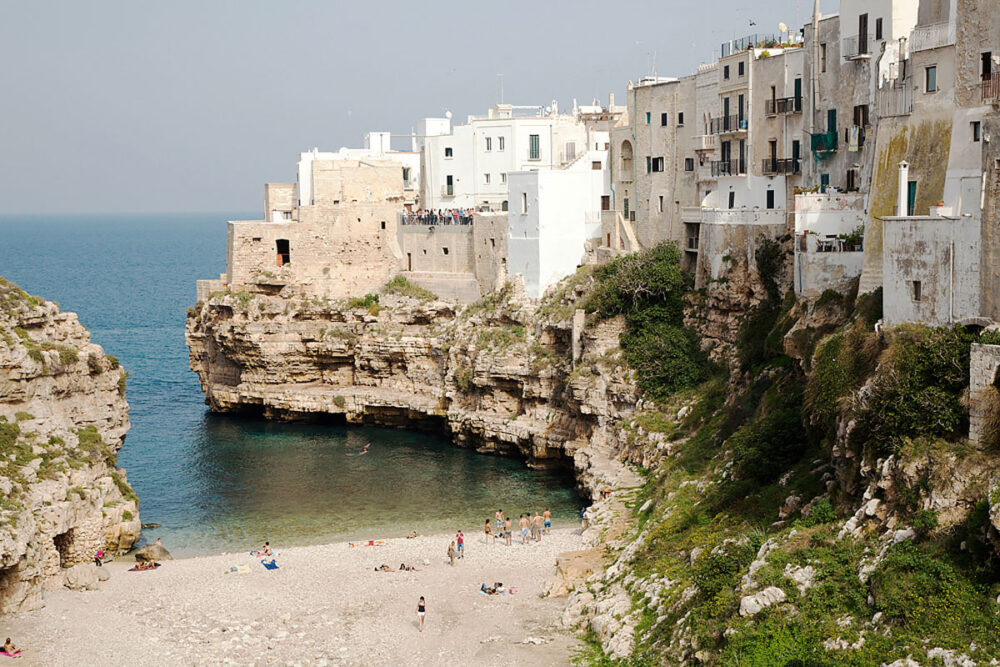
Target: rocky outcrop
x,y
498,376
63,418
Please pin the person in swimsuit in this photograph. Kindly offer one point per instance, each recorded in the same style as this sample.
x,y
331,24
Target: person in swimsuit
x,y
506,531
489,532
536,527
451,553
421,610
267,549
10,649
524,529
499,520
547,523
460,543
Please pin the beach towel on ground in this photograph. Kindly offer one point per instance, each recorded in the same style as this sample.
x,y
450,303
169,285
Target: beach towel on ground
x,y
11,655
136,568
369,543
238,569
269,565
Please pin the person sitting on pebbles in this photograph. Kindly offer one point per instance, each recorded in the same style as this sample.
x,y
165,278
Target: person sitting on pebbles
x,y
10,649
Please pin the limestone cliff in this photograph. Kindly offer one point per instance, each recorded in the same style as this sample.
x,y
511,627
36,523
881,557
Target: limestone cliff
x,y
63,418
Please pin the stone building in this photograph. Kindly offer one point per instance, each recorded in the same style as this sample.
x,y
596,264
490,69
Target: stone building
x,y
339,241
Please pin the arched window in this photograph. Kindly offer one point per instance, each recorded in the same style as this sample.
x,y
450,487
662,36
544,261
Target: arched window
x,y
626,157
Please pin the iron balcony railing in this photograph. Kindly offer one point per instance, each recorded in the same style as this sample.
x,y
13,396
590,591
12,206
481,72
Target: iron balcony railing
x,y
824,142
783,105
724,124
775,166
729,167
991,87
857,46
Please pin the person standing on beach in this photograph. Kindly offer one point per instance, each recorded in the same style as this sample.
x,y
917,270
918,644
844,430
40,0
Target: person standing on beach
x,y
489,532
460,541
421,611
536,527
547,524
451,553
499,520
524,529
506,531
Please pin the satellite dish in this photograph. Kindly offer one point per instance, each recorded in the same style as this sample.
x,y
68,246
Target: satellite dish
x,y
782,27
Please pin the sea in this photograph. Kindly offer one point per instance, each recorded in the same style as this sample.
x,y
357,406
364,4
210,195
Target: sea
x,y
217,483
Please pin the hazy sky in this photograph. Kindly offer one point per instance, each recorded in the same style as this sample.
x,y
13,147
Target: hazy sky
x,y
128,106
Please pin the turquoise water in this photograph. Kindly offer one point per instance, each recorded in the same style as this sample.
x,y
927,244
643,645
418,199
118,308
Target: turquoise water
x,y
218,483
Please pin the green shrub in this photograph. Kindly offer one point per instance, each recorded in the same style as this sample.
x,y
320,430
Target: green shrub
x,y
124,488
633,282
113,361
403,287
122,380
9,431
463,378
821,512
924,521
840,366
339,401
767,446
366,301
95,365
666,358
126,515
67,355
23,416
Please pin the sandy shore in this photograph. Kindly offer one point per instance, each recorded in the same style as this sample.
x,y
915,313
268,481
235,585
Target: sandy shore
x,y
325,605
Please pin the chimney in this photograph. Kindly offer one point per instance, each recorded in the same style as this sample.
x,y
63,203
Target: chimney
x,y
904,187
611,101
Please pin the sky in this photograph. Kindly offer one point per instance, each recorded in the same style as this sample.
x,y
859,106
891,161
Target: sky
x,y
131,106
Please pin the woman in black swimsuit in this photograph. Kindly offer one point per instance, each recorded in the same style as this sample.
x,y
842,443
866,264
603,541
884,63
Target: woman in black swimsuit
x,y
421,610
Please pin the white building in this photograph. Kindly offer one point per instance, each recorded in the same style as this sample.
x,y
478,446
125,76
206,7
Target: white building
x,y
377,146
551,217
468,167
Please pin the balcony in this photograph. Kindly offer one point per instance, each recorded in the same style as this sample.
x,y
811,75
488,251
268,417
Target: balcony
x,y
896,99
991,87
725,124
926,37
857,47
783,105
691,214
705,142
823,144
729,167
776,166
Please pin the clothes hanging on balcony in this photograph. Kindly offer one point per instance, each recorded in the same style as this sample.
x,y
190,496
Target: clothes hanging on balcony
x,y
854,139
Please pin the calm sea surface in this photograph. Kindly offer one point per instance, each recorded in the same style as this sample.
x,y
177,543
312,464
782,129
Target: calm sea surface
x,y
218,483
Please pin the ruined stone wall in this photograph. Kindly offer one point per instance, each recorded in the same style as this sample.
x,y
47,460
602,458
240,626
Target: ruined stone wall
x,y
489,243
63,418
984,397
437,248
280,198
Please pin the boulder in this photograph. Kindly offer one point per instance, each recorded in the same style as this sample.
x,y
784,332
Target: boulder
x,y
153,552
753,604
103,574
81,577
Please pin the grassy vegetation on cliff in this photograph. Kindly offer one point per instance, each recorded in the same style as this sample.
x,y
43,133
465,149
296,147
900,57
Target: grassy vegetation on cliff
x,y
648,289
403,287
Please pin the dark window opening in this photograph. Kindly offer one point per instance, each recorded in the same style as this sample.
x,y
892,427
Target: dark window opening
x,y
689,164
742,68
977,131
852,180
917,290
663,119
930,79
383,224
878,28
493,243
447,151
605,202
680,117
725,72
444,250
732,200
409,261
861,115
770,199
987,65
284,252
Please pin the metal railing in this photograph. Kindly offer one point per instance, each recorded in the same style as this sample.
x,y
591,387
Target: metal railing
x,y
783,105
991,87
728,167
724,124
775,166
931,36
857,46
451,216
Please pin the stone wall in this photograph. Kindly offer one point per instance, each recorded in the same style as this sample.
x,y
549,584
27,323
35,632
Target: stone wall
x,y
489,243
280,201
984,397
437,248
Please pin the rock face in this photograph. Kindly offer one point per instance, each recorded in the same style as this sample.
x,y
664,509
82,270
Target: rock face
x,y
498,376
63,418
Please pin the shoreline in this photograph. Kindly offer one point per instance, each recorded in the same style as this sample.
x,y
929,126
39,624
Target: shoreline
x,y
326,604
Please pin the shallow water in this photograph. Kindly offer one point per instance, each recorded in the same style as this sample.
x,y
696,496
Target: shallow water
x,y
218,483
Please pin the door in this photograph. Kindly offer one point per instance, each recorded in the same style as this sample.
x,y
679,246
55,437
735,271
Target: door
x,y
798,94
625,202
911,197
725,113
824,182
796,154
741,99
987,65
863,34
831,120
743,156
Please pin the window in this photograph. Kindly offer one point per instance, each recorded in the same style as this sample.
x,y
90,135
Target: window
x,y
503,177
657,164
524,202
663,120
861,115
493,243
911,198
659,204
878,28
256,239
444,250
534,147
596,165
625,202
648,115
649,164
689,164
930,79
500,143
605,202
742,66
822,57
383,224
486,179
449,187
977,131
489,143
725,72
831,120
680,117
447,151
287,215
824,182
732,200
503,206
986,65
852,180
284,252
770,199
917,291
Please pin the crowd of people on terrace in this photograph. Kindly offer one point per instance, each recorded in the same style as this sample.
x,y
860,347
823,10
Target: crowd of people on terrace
x,y
441,216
